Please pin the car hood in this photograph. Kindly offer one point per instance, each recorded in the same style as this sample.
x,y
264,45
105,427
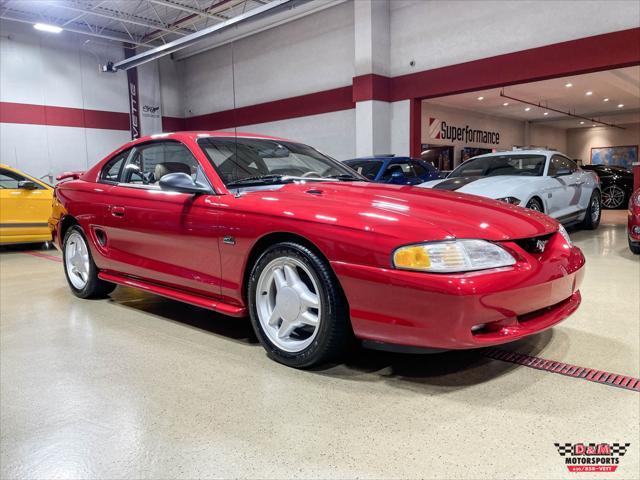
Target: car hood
x,y
407,213
493,187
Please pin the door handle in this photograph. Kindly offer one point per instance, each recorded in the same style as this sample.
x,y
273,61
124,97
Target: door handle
x,y
117,211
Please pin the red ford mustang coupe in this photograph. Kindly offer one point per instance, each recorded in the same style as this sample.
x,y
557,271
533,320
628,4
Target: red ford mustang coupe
x,y
311,251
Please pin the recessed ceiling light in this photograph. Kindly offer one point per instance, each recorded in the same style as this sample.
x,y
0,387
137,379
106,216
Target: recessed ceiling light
x,y
505,104
568,85
45,27
620,105
527,109
589,93
605,99
480,98
581,123
546,113
593,125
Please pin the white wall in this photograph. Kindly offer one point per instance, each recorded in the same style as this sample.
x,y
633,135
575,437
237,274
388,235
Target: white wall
x,y
436,33
580,141
57,70
307,55
548,137
331,133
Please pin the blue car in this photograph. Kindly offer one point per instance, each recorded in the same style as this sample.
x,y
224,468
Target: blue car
x,y
398,170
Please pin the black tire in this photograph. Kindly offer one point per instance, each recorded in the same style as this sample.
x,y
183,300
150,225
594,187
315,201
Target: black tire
x,y
592,221
334,334
94,288
634,247
535,204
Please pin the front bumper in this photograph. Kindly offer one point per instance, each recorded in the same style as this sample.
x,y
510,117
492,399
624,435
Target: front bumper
x,y
633,225
469,310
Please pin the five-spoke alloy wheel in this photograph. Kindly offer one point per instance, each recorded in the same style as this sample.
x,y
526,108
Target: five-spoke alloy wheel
x,y
79,268
296,306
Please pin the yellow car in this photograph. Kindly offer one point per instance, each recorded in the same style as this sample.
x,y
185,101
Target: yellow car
x,y
25,207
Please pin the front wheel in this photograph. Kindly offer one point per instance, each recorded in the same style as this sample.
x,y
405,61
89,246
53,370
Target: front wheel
x,y
297,308
535,204
593,213
613,197
79,268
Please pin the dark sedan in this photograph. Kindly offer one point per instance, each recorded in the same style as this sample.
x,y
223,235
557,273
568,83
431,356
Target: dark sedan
x,y
616,182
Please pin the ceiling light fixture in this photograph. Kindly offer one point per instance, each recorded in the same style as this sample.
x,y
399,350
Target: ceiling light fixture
x,y
546,113
588,93
594,125
505,104
620,105
605,99
480,98
548,108
45,27
568,85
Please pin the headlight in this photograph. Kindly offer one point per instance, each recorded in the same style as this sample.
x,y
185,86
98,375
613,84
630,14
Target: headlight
x,y
562,231
452,256
511,200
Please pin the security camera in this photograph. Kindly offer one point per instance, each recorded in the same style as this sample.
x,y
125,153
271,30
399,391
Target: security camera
x,y
109,68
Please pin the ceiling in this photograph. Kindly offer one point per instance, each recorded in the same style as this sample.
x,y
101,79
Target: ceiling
x,y
142,23
620,86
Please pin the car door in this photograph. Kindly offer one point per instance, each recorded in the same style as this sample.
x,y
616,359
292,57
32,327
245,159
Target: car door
x,y
162,236
563,188
25,207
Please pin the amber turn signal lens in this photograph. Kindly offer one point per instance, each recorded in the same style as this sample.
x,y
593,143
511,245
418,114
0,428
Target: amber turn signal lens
x,y
414,257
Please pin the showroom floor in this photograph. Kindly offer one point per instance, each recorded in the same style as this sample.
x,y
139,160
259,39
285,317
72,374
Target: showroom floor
x,y
141,386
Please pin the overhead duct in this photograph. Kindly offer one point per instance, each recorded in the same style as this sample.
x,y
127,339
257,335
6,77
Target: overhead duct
x,y
260,12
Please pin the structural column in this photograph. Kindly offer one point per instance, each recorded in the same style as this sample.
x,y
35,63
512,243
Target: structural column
x,y
370,89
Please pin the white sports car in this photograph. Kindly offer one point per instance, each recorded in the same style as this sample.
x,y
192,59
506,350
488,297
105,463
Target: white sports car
x,y
542,180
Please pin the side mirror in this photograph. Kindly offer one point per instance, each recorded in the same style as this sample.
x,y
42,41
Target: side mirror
x,y
27,185
183,183
563,171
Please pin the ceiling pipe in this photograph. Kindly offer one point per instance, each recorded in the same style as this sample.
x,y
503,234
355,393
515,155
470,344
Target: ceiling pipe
x,y
569,114
184,42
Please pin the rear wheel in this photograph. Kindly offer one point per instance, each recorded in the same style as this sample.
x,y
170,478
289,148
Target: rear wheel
x,y
296,307
535,204
594,212
613,197
79,268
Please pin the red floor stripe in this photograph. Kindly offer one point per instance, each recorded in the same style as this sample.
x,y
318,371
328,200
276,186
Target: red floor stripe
x,y
44,255
566,369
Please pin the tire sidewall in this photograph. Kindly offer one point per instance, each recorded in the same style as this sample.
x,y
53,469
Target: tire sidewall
x,y
588,222
313,353
537,202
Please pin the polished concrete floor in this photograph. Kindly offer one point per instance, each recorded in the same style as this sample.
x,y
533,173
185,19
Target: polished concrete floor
x,y
138,386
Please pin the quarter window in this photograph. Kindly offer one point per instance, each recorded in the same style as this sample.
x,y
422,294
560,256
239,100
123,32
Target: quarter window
x,y
111,171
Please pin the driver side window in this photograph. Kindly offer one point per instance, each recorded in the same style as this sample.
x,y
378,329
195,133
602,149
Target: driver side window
x,y
558,162
150,162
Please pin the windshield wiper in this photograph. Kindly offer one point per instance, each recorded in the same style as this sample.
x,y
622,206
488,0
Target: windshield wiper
x,y
258,179
345,177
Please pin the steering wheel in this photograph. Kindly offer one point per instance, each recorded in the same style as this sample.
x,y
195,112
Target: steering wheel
x,y
308,174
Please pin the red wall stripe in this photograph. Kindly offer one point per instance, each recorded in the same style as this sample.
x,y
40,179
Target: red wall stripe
x,y
173,124
371,87
62,116
586,55
294,107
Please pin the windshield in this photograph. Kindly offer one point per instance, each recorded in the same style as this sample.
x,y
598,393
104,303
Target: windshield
x,y
509,164
250,161
368,168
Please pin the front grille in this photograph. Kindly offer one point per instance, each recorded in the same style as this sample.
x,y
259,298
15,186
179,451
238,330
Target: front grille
x,y
534,244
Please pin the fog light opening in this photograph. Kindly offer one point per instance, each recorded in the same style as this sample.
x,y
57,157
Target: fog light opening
x,y
477,328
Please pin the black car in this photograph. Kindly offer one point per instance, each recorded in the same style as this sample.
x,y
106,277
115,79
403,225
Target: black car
x,y
616,183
